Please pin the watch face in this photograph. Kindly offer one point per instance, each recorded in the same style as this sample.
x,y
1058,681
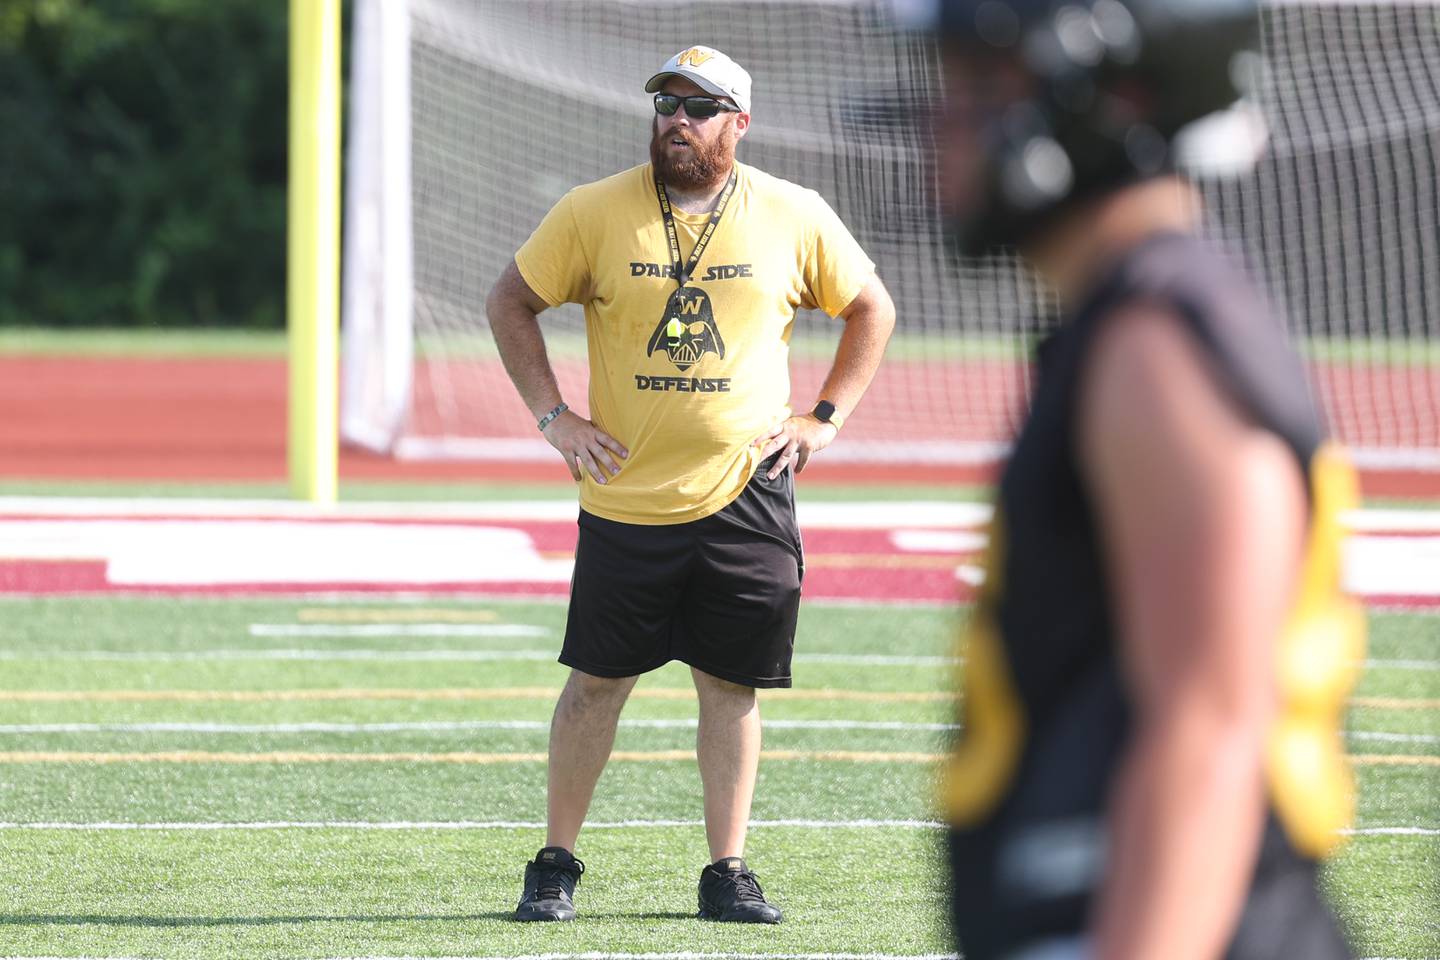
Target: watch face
x,y
824,410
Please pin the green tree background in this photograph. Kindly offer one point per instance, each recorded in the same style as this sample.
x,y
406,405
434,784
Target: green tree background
x,y
142,162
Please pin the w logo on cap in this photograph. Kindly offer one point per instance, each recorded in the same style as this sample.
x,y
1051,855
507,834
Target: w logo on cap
x,y
693,57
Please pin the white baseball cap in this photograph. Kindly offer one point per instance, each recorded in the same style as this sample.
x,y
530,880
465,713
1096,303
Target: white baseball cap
x,y
708,69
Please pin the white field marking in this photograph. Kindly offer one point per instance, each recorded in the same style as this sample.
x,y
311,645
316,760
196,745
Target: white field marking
x,y
140,552
876,660
479,594
312,695
396,630
406,656
970,574
202,656
1392,566
1392,521
333,615
840,515
887,515
686,955
446,726
535,510
595,955
1393,737
899,603
1405,664
441,726
459,825
471,757
395,825
938,541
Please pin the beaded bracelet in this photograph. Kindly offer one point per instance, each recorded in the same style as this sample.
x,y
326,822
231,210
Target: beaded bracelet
x,y
546,420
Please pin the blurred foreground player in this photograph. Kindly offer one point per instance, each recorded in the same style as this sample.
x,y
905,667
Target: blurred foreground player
x,y
1151,762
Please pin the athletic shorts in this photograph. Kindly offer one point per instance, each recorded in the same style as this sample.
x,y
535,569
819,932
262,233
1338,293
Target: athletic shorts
x,y
721,593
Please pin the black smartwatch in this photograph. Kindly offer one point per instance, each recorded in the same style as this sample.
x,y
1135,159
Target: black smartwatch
x,y
825,412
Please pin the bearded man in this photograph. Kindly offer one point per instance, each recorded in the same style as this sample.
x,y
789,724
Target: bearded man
x,y
690,269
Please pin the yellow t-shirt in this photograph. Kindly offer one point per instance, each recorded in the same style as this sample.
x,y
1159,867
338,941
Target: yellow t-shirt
x,y
688,393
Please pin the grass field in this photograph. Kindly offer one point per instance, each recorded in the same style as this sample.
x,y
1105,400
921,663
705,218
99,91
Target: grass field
x,y
193,786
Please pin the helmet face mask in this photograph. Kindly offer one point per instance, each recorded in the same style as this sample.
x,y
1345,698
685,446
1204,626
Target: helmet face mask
x,y
1051,104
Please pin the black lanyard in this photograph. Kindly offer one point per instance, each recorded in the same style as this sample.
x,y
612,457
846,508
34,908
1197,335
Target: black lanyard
x,y
684,273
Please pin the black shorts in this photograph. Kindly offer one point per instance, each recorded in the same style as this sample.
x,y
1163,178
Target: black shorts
x,y
721,593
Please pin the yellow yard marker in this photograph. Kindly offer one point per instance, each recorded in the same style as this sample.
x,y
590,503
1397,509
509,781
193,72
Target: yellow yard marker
x,y
1394,703
1393,760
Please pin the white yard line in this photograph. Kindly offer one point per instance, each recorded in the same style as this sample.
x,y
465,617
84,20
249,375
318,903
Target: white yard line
x,y
369,825
405,656
849,515
449,726
396,630
883,515
686,955
433,726
1393,737
635,956
1404,664
601,955
454,825
201,656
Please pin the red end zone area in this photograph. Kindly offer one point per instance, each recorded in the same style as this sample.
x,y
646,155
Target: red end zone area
x,y
98,550
209,419
864,553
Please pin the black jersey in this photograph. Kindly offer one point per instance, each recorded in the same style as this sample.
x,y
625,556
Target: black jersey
x,y
1045,710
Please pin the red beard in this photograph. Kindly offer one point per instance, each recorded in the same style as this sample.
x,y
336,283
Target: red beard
x,y
703,165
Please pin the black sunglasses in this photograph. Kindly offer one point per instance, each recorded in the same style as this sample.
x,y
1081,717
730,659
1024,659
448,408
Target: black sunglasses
x,y
697,108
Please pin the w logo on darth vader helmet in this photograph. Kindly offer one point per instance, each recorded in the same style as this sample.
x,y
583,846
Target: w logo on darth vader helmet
x,y
687,331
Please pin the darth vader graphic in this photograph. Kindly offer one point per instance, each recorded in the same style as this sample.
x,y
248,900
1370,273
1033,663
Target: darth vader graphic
x,y
687,331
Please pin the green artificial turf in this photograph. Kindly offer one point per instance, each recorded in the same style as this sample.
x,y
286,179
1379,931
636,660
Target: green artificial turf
x,y
413,890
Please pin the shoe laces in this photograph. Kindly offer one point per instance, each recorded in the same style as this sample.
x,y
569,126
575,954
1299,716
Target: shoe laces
x,y
747,887
551,883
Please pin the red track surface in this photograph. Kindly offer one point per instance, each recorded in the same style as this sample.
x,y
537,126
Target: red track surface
x,y
207,419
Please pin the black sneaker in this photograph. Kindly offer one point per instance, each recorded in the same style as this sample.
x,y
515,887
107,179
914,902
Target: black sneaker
x,y
730,892
550,881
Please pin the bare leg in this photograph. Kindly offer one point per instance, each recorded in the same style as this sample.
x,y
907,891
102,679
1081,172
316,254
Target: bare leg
x,y
581,735
728,748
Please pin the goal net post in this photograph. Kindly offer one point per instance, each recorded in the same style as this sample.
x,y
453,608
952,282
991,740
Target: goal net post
x,y
471,118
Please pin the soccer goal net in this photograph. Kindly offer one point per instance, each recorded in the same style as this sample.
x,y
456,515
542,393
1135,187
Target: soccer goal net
x,y
470,118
